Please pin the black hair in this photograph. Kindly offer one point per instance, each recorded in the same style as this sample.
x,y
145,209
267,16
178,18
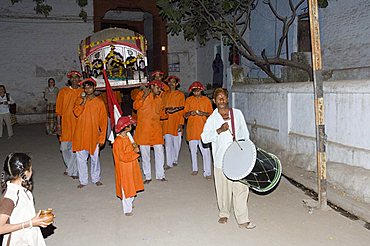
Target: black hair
x,y
88,83
49,80
15,165
3,86
191,93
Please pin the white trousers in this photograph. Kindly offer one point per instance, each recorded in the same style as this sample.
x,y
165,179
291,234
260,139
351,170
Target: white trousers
x,y
206,155
82,157
9,127
127,203
173,145
158,160
69,157
227,190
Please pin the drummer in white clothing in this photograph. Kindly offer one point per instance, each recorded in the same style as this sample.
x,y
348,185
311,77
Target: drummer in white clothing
x,y
217,131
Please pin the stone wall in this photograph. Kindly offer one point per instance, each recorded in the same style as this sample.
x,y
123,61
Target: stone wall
x,y
281,120
35,48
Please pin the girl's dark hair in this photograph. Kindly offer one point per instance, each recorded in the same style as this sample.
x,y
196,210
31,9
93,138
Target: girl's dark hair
x,y
15,165
3,86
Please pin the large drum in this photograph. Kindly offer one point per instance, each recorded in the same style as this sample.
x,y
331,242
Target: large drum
x,y
252,166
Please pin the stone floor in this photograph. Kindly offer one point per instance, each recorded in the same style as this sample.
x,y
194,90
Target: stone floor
x,y
180,212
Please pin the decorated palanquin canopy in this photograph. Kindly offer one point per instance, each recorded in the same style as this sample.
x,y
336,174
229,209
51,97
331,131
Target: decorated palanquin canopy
x,y
121,52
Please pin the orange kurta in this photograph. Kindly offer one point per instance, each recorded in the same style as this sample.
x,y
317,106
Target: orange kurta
x,y
195,124
91,127
149,112
64,108
126,166
133,95
173,99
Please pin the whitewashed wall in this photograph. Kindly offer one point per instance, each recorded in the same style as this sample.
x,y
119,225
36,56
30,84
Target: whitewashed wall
x,y
34,48
185,54
281,120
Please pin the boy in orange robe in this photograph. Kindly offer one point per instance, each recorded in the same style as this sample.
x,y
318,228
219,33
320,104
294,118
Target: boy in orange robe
x,y
174,102
148,133
129,180
90,132
66,121
197,109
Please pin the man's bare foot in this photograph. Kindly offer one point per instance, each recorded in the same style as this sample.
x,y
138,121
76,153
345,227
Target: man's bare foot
x,y
99,183
80,186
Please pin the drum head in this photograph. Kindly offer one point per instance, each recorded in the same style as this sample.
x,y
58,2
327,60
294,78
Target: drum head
x,y
239,159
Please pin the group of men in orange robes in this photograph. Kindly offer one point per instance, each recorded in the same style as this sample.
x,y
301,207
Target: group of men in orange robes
x,y
160,109
161,113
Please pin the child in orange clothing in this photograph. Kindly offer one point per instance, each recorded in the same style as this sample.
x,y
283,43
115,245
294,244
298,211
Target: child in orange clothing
x,y
129,179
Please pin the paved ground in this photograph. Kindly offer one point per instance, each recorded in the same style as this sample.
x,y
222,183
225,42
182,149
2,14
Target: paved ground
x,y
180,212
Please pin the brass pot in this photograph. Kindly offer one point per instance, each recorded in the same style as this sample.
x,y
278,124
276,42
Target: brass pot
x,y
48,213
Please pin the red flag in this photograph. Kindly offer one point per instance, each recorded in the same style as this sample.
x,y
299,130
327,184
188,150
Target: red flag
x,y
112,102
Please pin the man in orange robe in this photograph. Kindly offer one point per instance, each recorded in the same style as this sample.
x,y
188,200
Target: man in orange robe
x,y
174,102
197,109
90,132
148,133
66,121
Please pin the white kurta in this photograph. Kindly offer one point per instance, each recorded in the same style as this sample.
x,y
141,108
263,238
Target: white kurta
x,y
24,210
220,142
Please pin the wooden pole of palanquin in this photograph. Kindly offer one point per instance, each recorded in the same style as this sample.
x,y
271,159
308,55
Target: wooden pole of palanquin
x,y
319,104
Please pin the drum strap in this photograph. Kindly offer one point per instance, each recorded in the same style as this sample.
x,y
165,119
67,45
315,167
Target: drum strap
x,y
232,122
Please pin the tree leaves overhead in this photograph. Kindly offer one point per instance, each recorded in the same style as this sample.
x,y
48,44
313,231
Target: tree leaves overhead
x,y
203,20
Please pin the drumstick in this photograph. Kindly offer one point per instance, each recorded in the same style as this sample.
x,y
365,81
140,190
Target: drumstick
x,y
235,140
130,137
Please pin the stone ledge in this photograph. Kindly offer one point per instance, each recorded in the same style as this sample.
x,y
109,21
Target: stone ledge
x,y
334,194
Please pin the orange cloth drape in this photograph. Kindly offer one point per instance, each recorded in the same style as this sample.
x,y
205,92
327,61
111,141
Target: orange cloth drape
x,y
126,166
91,127
173,99
195,124
64,108
149,112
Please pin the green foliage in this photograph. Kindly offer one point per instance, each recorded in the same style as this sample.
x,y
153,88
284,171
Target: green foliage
x,y
82,3
83,15
15,1
42,8
45,9
322,3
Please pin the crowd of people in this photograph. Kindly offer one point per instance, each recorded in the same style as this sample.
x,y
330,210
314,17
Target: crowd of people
x,y
158,118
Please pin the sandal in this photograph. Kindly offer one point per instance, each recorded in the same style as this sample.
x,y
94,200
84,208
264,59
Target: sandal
x,y
248,225
222,220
